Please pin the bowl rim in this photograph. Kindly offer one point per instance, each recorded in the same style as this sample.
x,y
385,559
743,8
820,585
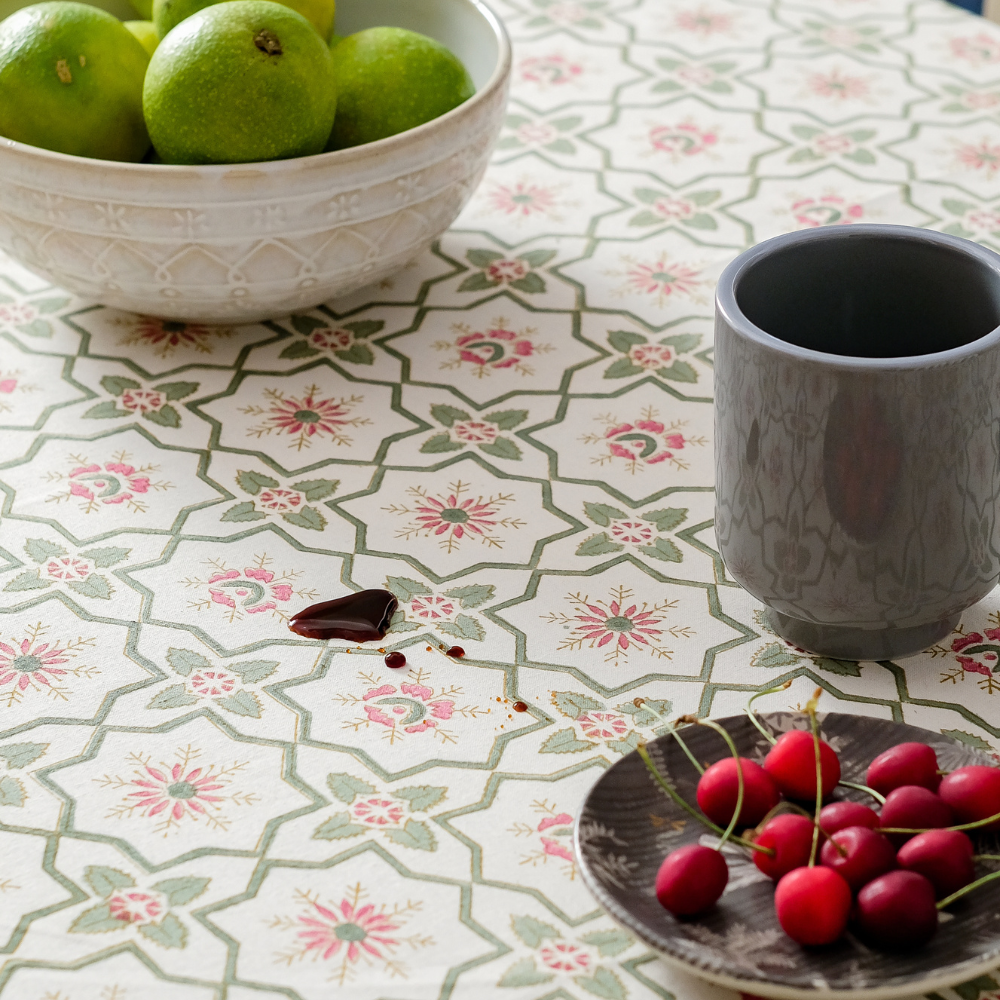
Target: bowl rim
x,y
381,147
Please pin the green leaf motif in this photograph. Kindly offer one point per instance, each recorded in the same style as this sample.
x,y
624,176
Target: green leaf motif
x,y
805,132
482,258
625,340
507,420
957,207
165,416
40,328
473,595
180,891
972,989
50,305
502,448
565,741
608,943
524,973
184,661
573,705
627,745
254,671
663,548
447,415
11,792
643,715
364,327
243,511
531,283
862,134
622,368
306,324
421,797
299,349
649,195
646,218
602,514
168,933
30,579
478,282
463,627
308,517
679,371
19,755
175,696
244,703
338,827
440,443
104,880
117,384
719,87
774,654
701,220
598,545
103,558
347,788
682,342
701,198
603,983
176,390
531,931
104,411
400,624
969,739
316,489
414,834
844,668
357,354
97,920
861,156
38,549
95,586
561,125
666,86
406,589
667,518
254,482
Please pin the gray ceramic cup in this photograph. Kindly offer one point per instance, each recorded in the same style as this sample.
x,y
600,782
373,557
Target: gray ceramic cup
x,y
857,434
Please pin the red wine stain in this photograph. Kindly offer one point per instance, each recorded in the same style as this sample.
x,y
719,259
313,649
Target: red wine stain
x,y
360,617
455,651
395,659
520,706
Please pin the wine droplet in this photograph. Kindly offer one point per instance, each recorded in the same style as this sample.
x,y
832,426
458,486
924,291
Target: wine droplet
x,y
395,659
360,617
520,706
455,651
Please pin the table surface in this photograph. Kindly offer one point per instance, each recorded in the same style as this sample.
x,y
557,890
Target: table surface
x,y
515,436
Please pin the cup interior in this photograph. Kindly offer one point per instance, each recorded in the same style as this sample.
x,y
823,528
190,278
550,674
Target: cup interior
x,y
871,295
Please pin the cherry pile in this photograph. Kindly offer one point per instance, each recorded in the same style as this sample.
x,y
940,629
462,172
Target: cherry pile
x,y
886,873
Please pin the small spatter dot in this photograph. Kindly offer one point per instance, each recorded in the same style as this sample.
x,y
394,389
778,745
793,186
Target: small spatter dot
x,y
520,706
381,649
498,697
395,659
428,649
455,651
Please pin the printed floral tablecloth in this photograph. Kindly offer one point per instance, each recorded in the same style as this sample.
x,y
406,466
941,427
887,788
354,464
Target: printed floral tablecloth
x,y
514,435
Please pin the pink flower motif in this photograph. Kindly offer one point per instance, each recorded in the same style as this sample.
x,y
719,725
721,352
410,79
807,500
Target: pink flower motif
x,y
454,517
828,210
142,400
983,220
562,956
841,36
280,501
254,588
982,156
698,76
331,340
8,384
174,791
632,532
663,279
685,139
507,270
170,334
536,133
475,431
522,199
349,927
977,100
114,484
646,441
68,568
974,666
377,811
603,726
136,907
972,639
377,715
379,692
992,633
555,849
833,145
31,661
432,607
672,208
13,313
308,416
651,356
547,71
978,50
837,86
701,22
211,683
624,627
563,819
416,707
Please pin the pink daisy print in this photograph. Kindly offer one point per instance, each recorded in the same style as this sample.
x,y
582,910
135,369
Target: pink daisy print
x,y
32,665
305,418
981,49
662,279
703,22
549,71
983,157
838,86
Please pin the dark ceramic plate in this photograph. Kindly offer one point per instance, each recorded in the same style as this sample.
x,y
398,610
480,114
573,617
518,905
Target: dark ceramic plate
x,y
628,825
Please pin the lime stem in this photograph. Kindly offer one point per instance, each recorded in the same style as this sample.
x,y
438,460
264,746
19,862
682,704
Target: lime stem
x,y
753,715
948,900
671,729
666,786
739,777
814,725
863,788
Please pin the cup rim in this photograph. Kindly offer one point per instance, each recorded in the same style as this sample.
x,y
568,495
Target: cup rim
x,y
727,308
331,158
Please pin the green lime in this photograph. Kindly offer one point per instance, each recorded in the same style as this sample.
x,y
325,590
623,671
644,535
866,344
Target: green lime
x,y
238,82
71,80
146,33
144,8
389,80
167,14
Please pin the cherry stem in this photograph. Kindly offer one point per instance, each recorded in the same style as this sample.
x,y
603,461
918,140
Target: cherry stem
x,y
814,724
963,826
666,786
864,788
790,807
753,715
948,900
739,777
671,730
986,857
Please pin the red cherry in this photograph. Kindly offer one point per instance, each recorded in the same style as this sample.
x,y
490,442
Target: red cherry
x,y
942,856
790,836
812,905
719,786
691,879
840,815
913,807
868,855
973,792
792,764
904,764
896,911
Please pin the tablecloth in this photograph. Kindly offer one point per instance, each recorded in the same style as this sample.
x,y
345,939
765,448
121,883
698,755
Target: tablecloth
x,y
514,436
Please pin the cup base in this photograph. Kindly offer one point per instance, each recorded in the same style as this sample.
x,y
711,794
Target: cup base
x,y
859,643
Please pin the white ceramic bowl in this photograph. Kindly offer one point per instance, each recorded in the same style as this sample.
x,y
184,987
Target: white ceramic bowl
x,y
226,244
